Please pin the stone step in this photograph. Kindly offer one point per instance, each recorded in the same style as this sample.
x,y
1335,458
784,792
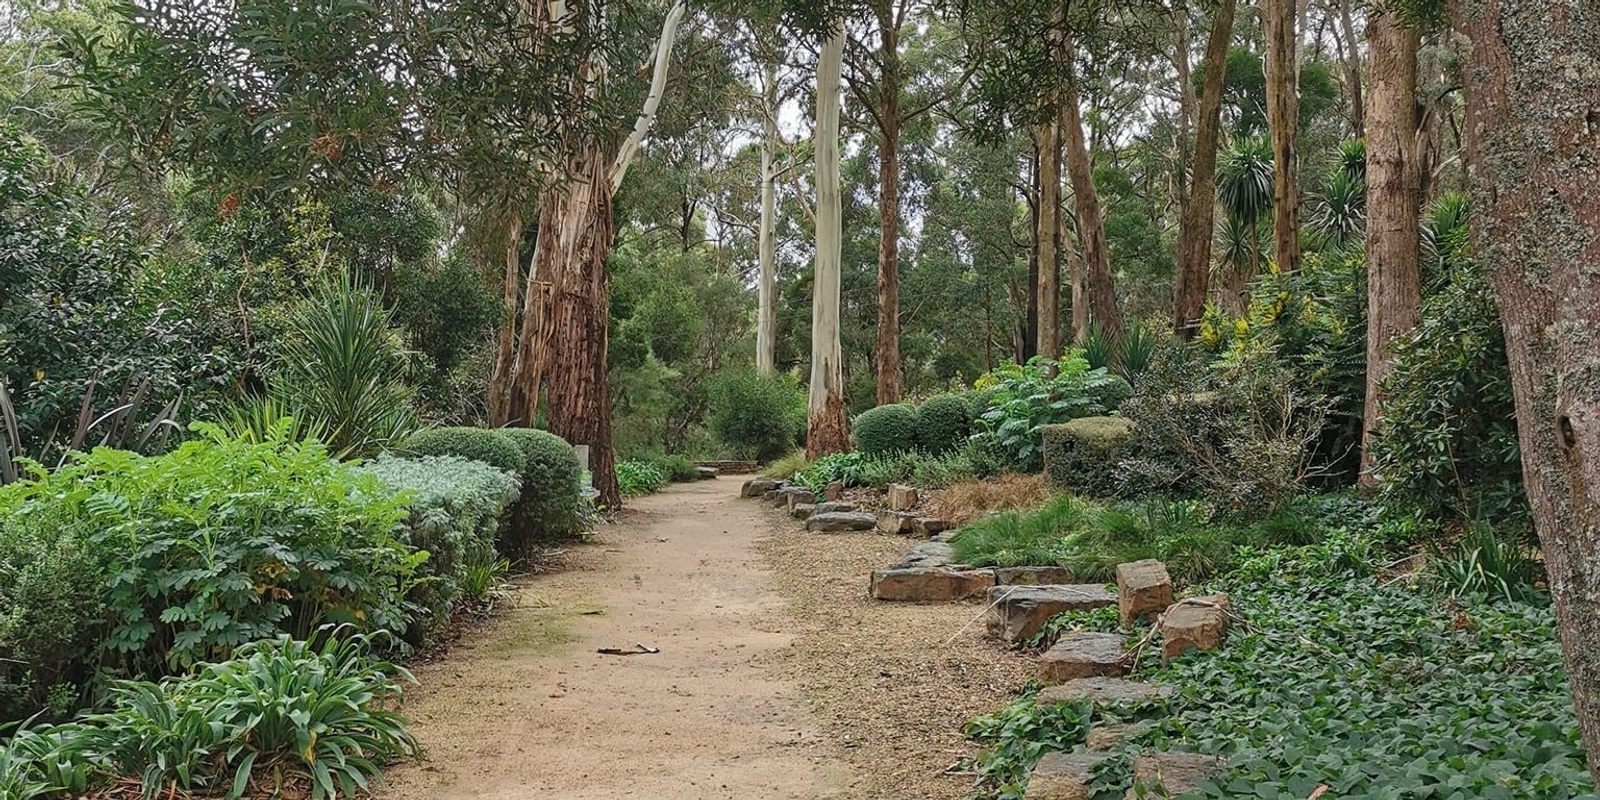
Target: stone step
x,y
756,487
902,497
1107,736
834,507
1033,576
1196,623
1171,774
794,496
1017,613
1144,589
1063,776
802,510
833,491
1080,654
896,523
1102,691
929,526
928,584
840,522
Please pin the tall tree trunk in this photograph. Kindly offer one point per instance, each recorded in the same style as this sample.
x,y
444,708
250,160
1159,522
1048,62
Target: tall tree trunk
x,y
505,357
1531,79
888,350
1078,288
1352,67
1028,346
1283,117
1197,221
1100,289
767,283
827,430
575,235
1394,202
1180,65
1046,233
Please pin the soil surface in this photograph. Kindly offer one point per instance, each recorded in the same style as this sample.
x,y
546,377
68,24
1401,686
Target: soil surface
x,y
776,678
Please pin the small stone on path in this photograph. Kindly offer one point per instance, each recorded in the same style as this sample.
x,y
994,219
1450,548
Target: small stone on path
x,y
902,497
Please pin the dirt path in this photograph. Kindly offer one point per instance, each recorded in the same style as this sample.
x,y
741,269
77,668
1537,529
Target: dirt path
x,y
777,678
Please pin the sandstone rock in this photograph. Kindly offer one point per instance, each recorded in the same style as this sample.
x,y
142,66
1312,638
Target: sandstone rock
x,y
1063,776
902,497
756,487
833,491
1143,589
1196,623
1175,773
770,495
1016,613
929,526
898,523
1079,654
802,510
1102,690
707,473
795,497
928,554
1032,576
930,584
839,522
834,507
947,536
1105,737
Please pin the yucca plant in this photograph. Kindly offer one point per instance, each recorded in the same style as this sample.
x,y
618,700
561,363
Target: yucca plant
x,y
1484,564
1244,187
1340,209
1445,235
336,373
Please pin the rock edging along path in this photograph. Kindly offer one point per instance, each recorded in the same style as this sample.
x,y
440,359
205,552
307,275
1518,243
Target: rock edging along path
x,y
529,709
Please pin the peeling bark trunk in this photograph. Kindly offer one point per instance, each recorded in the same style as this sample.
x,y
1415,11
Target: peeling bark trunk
x,y
505,357
1099,287
827,430
888,349
1394,202
1283,113
1532,89
767,284
575,235
1198,216
1048,299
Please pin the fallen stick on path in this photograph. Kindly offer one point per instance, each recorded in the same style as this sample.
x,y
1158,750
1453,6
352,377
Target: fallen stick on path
x,y
639,650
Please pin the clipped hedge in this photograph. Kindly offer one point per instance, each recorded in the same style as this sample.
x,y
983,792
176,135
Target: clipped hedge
x,y
550,507
1082,455
455,507
886,430
943,423
478,444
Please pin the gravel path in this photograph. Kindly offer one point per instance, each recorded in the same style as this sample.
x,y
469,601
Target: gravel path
x,y
777,677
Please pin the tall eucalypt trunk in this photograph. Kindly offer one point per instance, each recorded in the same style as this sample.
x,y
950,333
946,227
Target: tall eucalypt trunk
x,y
827,430
505,354
1394,202
1283,117
1047,232
576,232
1531,81
1197,218
767,283
888,350
1102,295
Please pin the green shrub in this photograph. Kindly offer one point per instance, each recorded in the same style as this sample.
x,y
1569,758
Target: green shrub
x,y
282,709
943,423
757,416
1024,538
550,508
915,467
677,468
490,447
886,430
843,467
636,478
788,466
1023,399
1082,455
455,507
52,618
223,542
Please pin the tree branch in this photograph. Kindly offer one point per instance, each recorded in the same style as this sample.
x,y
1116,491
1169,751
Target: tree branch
x,y
658,85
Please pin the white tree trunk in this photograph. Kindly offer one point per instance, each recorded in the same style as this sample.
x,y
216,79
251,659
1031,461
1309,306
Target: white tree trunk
x,y
767,286
826,430
652,102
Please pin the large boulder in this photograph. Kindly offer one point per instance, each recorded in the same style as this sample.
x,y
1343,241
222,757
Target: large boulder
x,y
929,526
840,522
1143,589
1080,654
1017,613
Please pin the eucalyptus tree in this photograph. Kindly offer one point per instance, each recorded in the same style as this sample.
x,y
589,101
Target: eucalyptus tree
x,y
1198,203
1279,20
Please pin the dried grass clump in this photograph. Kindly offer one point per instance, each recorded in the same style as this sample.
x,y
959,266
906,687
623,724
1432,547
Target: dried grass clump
x,y
964,502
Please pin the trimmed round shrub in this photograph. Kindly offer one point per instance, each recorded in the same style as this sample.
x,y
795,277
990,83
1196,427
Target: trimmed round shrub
x,y
1081,455
477,444
757,416
886,429
549,509
943,423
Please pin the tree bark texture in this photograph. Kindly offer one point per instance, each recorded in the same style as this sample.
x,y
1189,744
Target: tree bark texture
x,y
1531,81
827,430
1197,218
888,350
1283,117
1394,202
505,356
576,230
1048,343
1352,68
1099,285
767,283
